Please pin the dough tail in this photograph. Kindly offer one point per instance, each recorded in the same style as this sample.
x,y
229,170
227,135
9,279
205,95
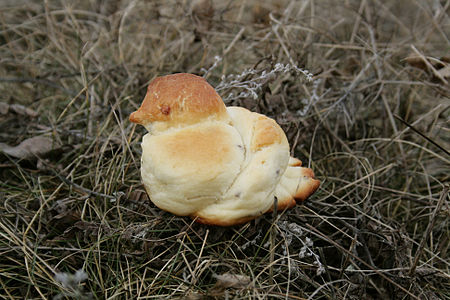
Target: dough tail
x,y
296,184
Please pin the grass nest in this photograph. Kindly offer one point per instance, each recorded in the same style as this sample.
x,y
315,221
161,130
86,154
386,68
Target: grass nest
x,y
370,116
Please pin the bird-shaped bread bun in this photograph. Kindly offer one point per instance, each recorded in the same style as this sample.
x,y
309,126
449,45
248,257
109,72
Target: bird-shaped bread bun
x,y
220,165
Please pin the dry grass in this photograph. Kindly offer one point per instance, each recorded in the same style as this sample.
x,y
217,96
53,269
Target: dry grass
x,y
376,229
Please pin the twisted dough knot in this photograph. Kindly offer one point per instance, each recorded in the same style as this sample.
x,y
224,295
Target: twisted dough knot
x,y
221,165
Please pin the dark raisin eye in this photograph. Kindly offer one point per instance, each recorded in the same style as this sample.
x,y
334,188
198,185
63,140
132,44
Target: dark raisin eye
x,y
165,109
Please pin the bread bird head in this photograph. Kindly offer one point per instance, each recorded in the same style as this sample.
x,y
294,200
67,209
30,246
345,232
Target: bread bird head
x,y
178,100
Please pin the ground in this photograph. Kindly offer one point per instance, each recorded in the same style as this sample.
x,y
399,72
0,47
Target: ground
x,y
360,88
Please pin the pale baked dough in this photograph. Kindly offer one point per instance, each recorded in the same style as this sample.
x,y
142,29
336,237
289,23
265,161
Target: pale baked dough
x,y
219,165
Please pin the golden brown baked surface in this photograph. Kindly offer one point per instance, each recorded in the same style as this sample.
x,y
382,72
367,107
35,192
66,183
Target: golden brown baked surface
x,y
220,165
186,169
297,184
179,99
266,132
252,191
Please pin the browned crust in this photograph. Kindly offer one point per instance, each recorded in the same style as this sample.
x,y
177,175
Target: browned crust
x,y
285,203
218,222
266,132
305,190
200,149
303,194
179,98
295,162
